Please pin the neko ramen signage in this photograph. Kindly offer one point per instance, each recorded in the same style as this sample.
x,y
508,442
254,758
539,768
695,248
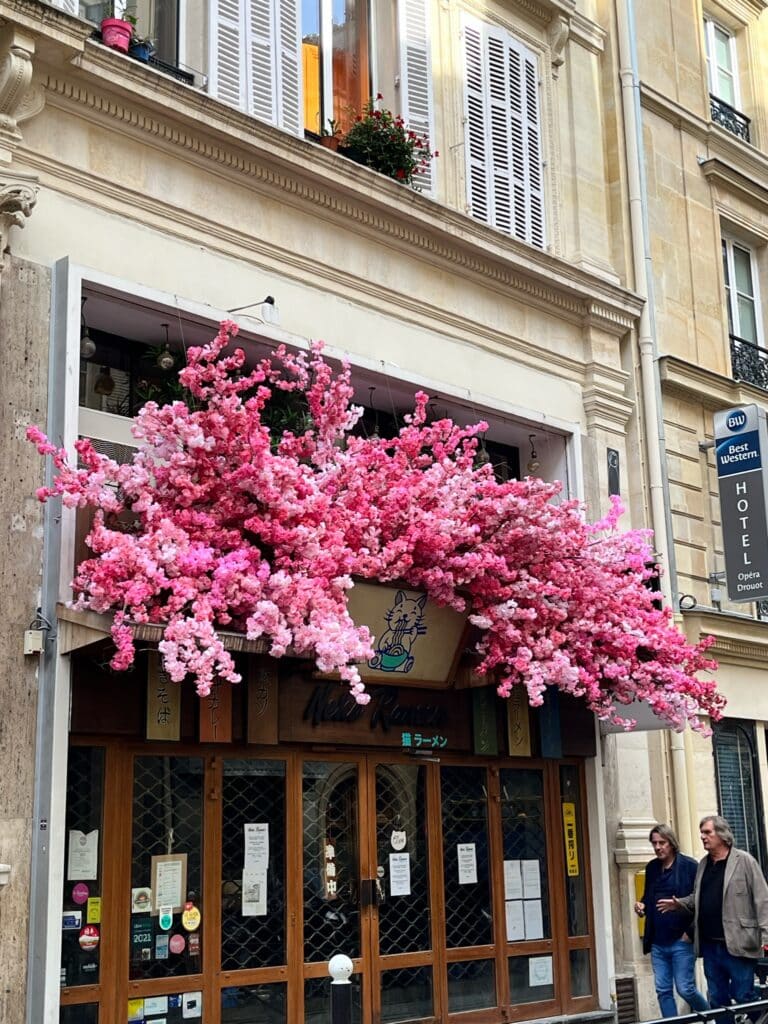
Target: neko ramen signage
x,y
326,712
415,640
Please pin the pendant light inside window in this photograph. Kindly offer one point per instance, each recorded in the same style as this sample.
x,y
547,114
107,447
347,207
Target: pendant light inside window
x,y
533,463
105,382
87,344
166,359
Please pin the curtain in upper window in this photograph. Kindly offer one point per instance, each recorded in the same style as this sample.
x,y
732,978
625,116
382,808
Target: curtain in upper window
x,y
503,132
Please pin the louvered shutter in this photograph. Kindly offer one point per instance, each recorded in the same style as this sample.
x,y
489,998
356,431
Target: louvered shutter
x,y
502,135
70,6
289,91
261,49
532,126
416,78
475,118
226,64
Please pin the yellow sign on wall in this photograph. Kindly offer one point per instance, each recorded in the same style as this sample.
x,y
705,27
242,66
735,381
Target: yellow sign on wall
x,y
569,837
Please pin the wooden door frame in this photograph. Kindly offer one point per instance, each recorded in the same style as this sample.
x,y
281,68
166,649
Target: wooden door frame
x,y
114,987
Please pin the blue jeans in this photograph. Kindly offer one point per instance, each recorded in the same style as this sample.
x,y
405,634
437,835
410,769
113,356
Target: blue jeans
x,y
729,978
676,963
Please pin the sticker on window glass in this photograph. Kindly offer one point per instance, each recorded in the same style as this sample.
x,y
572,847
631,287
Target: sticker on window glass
x,y
192,1004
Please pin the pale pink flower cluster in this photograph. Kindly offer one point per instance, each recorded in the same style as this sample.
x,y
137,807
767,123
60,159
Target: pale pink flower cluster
x,y
236,529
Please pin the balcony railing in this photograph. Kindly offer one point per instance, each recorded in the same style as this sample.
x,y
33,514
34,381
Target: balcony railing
x,y
749,362
729,118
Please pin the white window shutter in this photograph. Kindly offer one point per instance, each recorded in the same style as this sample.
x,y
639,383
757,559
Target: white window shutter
x,y
289,77
226,64
475,121
260,56
503,133
532,120
416,79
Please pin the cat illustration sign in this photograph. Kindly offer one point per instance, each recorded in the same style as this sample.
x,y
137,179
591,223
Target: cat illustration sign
x,y
741,443
414,639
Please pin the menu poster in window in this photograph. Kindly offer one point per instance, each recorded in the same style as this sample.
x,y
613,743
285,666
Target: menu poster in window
x,y
539,971
467,858
399,874
531,879
515,921
513,880
169,882
256,858
83,860
254,894
534,926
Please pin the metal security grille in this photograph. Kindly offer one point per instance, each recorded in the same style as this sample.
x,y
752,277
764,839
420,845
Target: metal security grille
x,y
404,921
167,818
524,832
331,860
468,918
253,792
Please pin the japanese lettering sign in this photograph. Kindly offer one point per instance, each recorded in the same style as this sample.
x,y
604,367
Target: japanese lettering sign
x,y
163,703
741,439
570,840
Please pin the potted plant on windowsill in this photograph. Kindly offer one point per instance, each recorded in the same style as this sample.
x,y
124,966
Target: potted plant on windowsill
x,y
118,32
141,48
382,141
330,137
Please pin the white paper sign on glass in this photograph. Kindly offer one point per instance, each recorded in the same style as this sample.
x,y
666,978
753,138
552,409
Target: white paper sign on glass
x,y
399,874
192,1005
155,1004
254,894
513,880
539,971
169,884
83,861
256,847
467,858
531,880
515,920
534,928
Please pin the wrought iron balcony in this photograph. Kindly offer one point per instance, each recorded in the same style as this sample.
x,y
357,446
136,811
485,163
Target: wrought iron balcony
x,y
728,117
749,362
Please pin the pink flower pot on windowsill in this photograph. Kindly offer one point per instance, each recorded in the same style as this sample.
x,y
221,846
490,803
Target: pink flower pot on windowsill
x,y
116,34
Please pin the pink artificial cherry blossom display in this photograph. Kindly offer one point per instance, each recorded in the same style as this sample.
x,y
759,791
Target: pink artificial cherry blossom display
x,y
237,529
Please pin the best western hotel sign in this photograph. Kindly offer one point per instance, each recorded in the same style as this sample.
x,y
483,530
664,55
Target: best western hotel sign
x,y
741,448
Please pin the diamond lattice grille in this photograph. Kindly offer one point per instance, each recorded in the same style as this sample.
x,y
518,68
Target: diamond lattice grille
x,y
468,919
167,818
404,922
254,792
523,827
331,861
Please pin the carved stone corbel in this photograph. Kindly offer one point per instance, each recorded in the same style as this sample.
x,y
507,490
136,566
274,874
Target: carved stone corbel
x,y
18,195
559,32
17,48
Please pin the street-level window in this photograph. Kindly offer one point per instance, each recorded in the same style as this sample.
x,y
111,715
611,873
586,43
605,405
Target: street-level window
x,y
722,69
504,169
738,790
741,292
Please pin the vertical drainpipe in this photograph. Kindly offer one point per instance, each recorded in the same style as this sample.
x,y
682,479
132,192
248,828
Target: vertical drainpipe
x,y
52,709
655,442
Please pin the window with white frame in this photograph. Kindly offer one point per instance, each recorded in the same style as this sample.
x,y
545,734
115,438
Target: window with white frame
x,y
722,69
299,65
741,291
505,185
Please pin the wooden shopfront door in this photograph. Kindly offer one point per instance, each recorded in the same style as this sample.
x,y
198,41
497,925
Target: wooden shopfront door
x,y
442,881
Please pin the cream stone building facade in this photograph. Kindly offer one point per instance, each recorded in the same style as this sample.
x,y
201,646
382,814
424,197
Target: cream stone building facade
x,y
699,71
140,204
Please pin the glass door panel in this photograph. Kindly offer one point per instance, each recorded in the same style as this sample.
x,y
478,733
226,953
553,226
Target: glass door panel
x,y
253,880
524,838
167,824
468,913
402,868
331,860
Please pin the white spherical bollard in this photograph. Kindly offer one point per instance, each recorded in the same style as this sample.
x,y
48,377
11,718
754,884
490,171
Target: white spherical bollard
x,y
340,968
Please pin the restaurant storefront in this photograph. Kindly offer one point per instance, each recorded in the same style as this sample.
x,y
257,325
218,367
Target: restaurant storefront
x,y
211,874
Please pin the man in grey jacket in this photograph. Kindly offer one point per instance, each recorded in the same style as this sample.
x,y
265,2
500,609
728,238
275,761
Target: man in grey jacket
x,y
730,907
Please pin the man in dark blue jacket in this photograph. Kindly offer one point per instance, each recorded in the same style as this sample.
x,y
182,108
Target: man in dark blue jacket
x,y
668,936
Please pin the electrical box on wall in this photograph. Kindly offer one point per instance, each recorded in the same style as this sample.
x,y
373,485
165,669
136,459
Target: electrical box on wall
x,y
33,641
